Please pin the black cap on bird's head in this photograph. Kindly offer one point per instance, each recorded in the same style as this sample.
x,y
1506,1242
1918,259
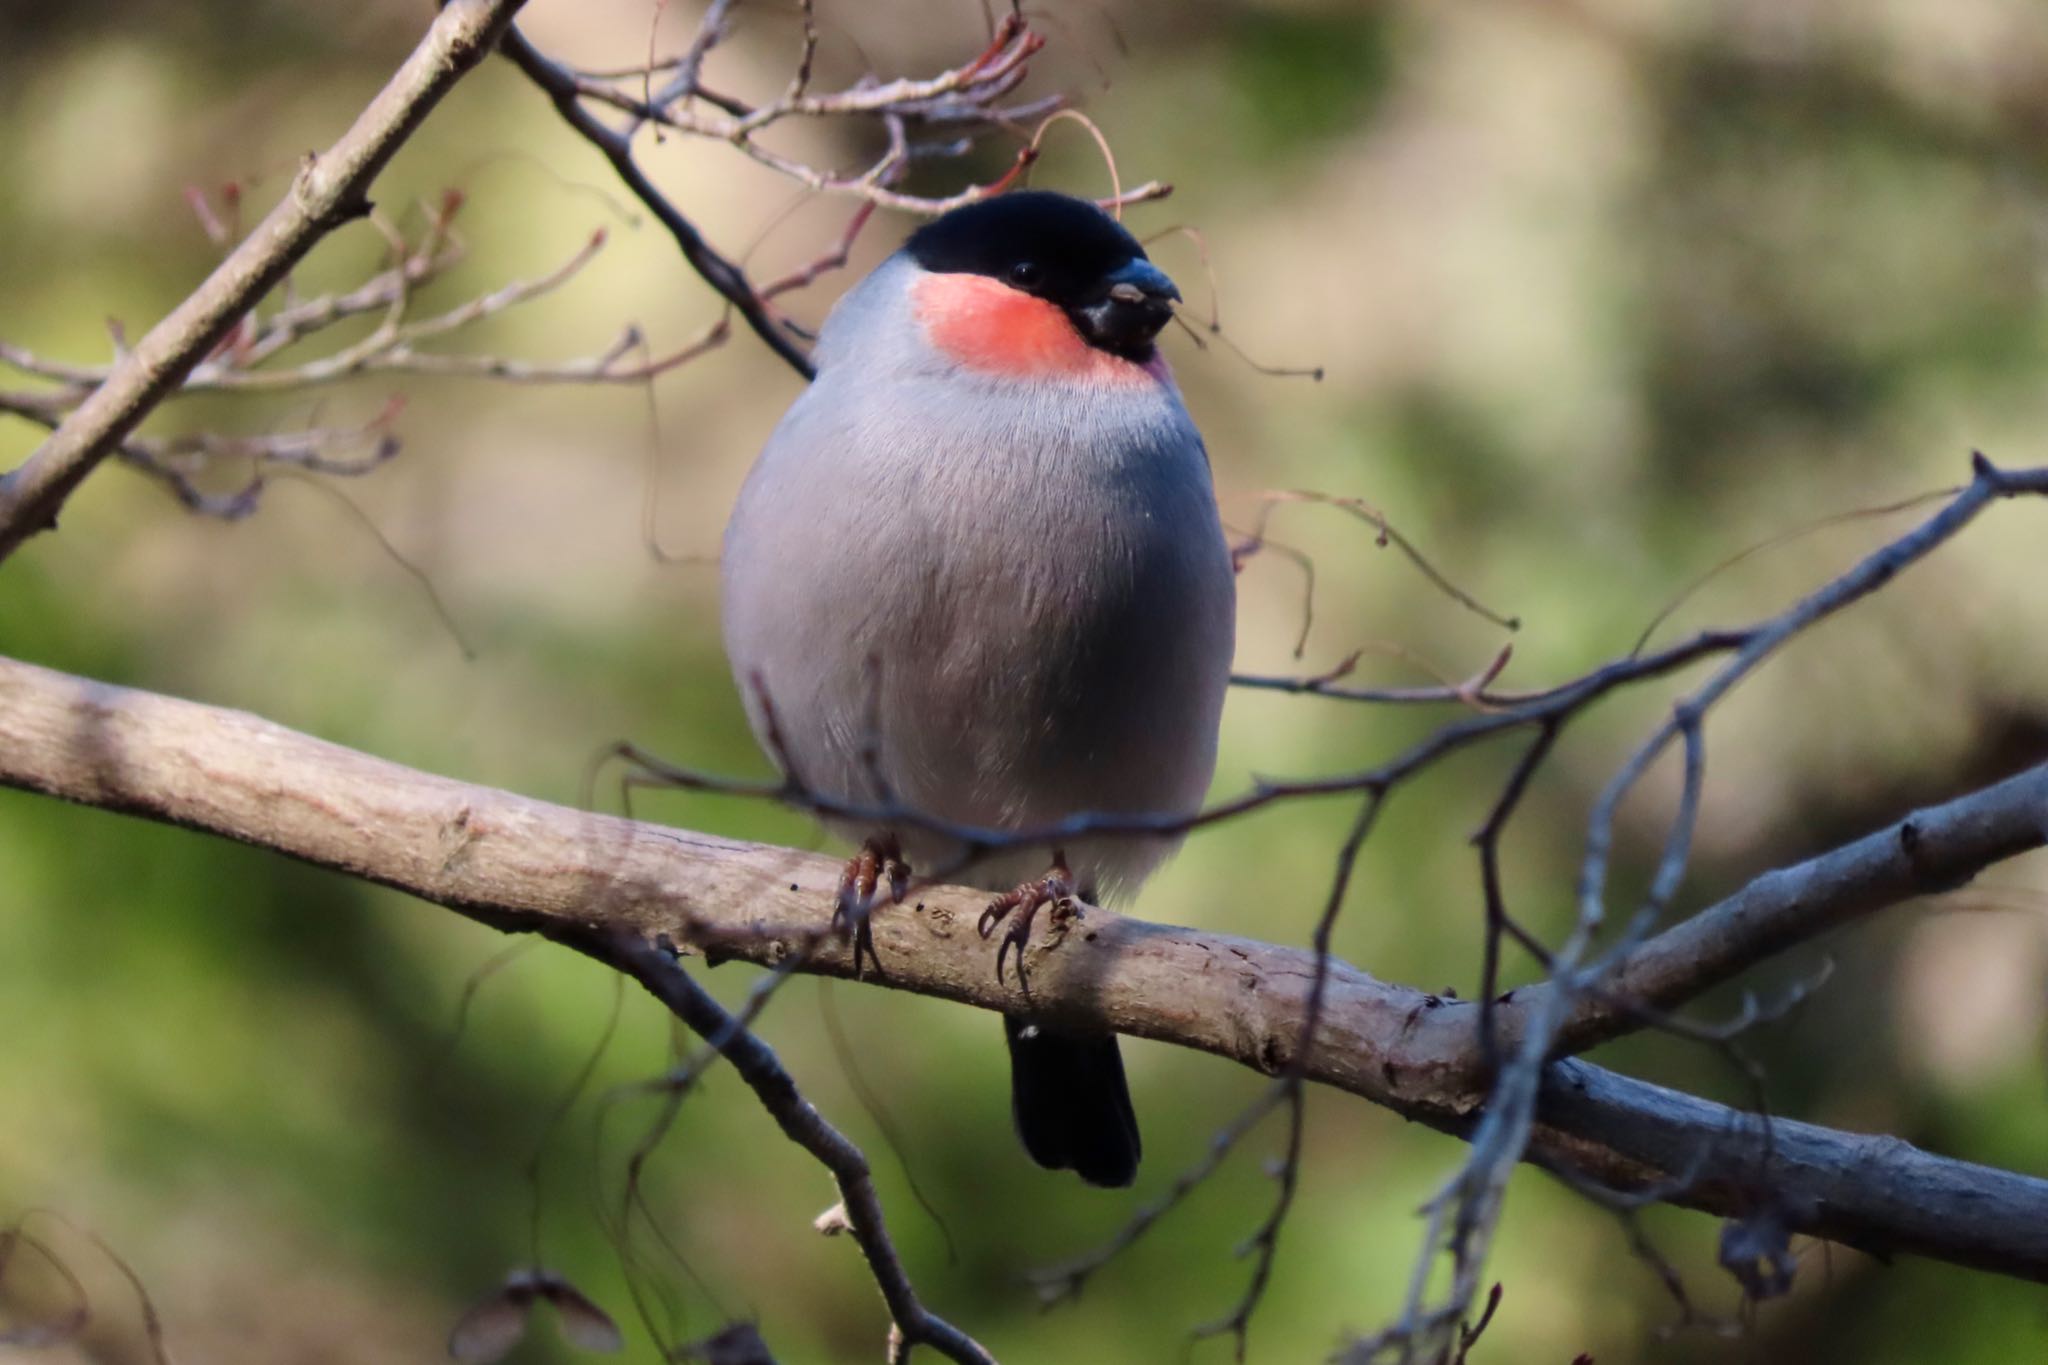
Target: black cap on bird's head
x,y
1060,249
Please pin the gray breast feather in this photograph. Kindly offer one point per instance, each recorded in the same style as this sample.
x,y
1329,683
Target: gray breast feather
x,y
1010,603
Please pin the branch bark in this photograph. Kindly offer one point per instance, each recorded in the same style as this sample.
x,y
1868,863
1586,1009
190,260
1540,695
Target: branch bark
x,y
330,189
1927,852
520,864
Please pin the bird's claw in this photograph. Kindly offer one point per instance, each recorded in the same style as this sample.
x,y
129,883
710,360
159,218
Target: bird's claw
x,y
1055,888
879,858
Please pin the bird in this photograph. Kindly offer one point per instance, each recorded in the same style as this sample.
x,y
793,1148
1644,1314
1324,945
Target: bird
x,y
977,578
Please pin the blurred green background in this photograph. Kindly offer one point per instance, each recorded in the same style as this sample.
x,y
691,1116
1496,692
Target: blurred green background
x,y
1606,290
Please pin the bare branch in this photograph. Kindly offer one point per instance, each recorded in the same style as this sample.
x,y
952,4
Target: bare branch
x,y
1265,1240
758,1066
1928,852
525,865
392,347
1065,1281
958,105
563,88
330,189
177,462
1464,1214
1549,700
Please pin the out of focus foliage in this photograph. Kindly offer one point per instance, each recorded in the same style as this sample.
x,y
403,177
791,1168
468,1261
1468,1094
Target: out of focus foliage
x,y
1606,291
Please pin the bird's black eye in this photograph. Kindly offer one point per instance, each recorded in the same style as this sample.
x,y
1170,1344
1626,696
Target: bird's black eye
x,y
1025,274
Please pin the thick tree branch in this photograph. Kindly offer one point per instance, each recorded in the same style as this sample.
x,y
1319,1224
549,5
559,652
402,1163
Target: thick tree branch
x,y
521,864
330,189
1930,851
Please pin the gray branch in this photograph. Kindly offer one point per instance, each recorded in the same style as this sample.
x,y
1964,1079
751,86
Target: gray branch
x,y
520,864
330,189
800,1121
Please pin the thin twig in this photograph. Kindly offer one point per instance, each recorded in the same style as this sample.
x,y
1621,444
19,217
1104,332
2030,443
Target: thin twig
x,y
758,1066
329,190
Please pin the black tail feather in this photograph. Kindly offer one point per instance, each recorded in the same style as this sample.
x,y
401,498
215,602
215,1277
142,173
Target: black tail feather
x,y
1071,1104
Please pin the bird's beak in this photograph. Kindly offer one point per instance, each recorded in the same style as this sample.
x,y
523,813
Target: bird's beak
x,y
1136,301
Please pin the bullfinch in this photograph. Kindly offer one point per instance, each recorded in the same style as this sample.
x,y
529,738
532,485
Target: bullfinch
x,y
977,575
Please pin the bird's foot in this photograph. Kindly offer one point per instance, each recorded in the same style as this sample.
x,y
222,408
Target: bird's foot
x,y
880,858
1055,888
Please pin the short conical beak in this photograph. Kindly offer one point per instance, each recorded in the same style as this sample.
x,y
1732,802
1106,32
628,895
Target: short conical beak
x,y
1137,301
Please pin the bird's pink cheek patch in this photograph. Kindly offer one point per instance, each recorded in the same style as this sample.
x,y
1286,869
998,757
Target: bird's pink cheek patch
x,y
986,325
